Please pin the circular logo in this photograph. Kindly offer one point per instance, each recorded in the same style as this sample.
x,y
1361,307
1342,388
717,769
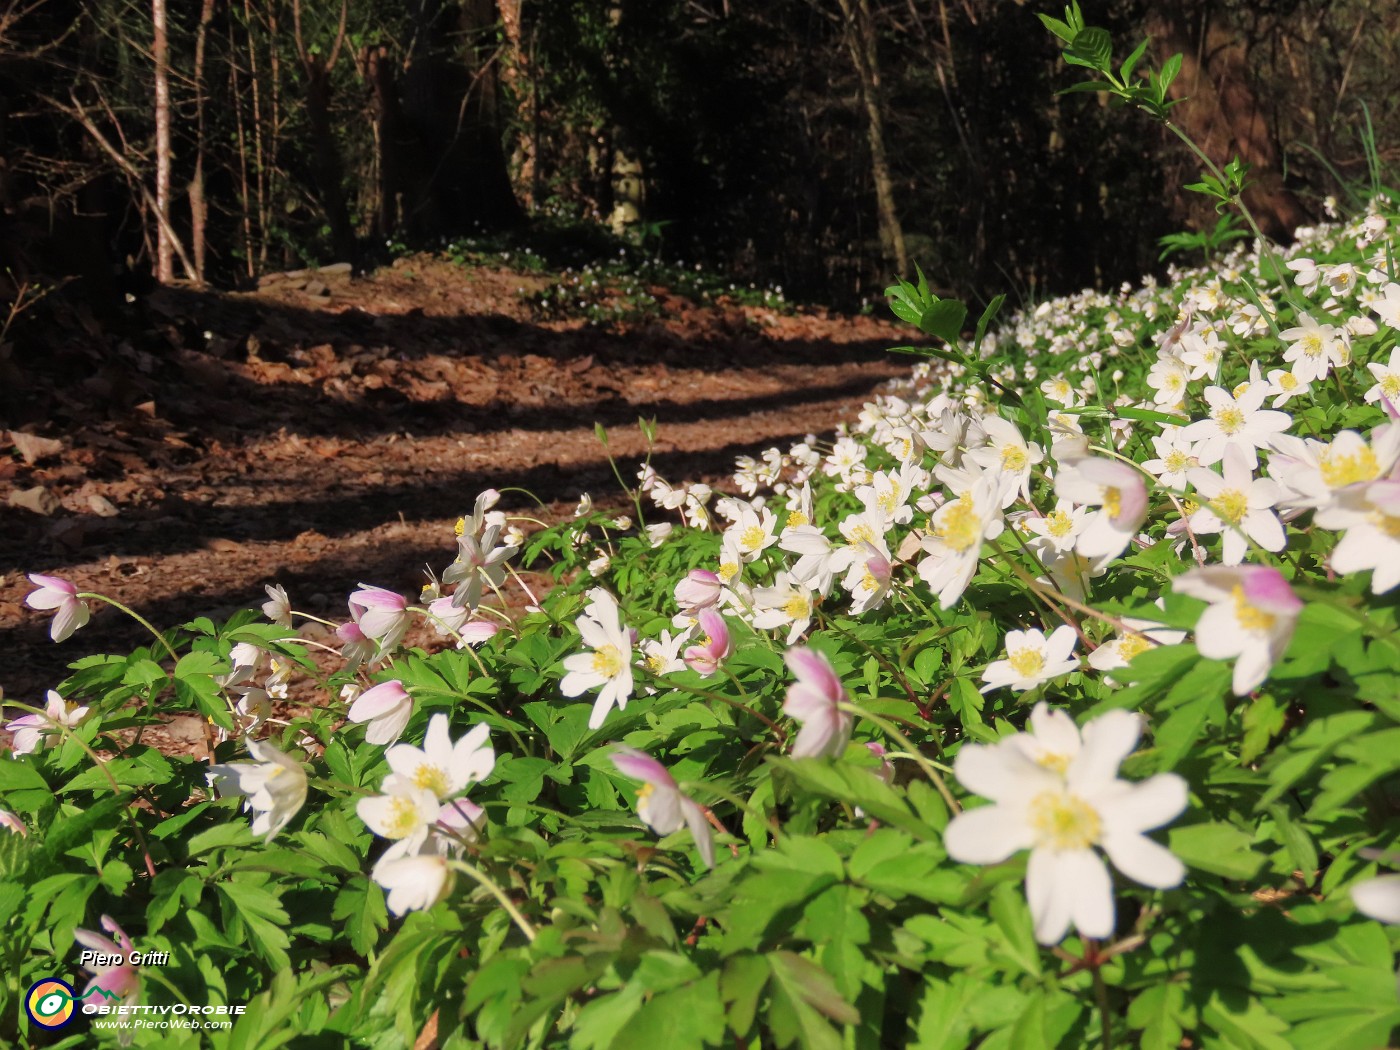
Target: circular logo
x,y
49,1002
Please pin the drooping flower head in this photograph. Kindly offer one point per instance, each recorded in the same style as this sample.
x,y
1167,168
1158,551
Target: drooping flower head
x,y
58,594
660,803
382,615
274,786
814,700
32,731
706,656
122,981
386,708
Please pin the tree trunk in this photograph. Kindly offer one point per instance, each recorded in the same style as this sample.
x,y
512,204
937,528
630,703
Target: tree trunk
x,y
160,53
1223,114
519,80
199,210
451,100
388,116
860,38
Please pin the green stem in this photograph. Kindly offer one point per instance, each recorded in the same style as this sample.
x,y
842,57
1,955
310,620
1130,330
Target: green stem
x,y
489,884
933,775
135,616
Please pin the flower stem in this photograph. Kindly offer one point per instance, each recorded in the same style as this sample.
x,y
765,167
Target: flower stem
x,y
489,884
933,775
135,616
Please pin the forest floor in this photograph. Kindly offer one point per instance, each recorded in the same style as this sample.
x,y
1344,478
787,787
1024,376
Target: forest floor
x,y
326,433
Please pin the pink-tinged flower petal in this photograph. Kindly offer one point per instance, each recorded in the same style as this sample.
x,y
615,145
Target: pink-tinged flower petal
x,y
368,597
53,591
1266,588
478,631
378,701
1379,898
350,633
987,835
640,766
70,616
699,830
813,669
96,942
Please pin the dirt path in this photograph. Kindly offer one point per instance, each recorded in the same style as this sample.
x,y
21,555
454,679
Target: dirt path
x,y
323,440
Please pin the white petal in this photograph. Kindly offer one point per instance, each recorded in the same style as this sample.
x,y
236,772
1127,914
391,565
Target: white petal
x,y
1143,806
987,835
1092,893
1108,740
1046,893
1379,898
1143,860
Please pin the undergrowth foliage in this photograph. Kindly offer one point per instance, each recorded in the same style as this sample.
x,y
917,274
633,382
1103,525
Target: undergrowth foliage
x,y
1054,703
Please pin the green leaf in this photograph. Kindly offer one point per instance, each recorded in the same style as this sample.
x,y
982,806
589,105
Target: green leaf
x,y
1092,47
263,916
1221,849
741,985
360,906
944,319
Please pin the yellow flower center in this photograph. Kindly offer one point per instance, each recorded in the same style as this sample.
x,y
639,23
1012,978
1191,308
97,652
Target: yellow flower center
x,y
1026,662
1013,458
607,661
960,527
1250,617
1231,505
1311,344
727,571
1229,419
868,582
1054,761
1390,386
1176,461
1240,390
1058,524
460,527
403,818
1338,470
890,499
859,534
1113,501
1062,821
432,777
752,538
798,607
797,519
1130,645
655,663
1287,381
1389,524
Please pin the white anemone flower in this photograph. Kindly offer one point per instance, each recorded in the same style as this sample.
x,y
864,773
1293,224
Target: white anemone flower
x,y
1117,490
956,533
1239,505
1032,658
441,765
1238,419
1252,615
274,786
414,883
1387,377
608,668
404,814
1055,791
1370,514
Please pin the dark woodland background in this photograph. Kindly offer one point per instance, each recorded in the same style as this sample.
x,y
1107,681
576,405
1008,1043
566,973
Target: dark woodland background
x,y
823,145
